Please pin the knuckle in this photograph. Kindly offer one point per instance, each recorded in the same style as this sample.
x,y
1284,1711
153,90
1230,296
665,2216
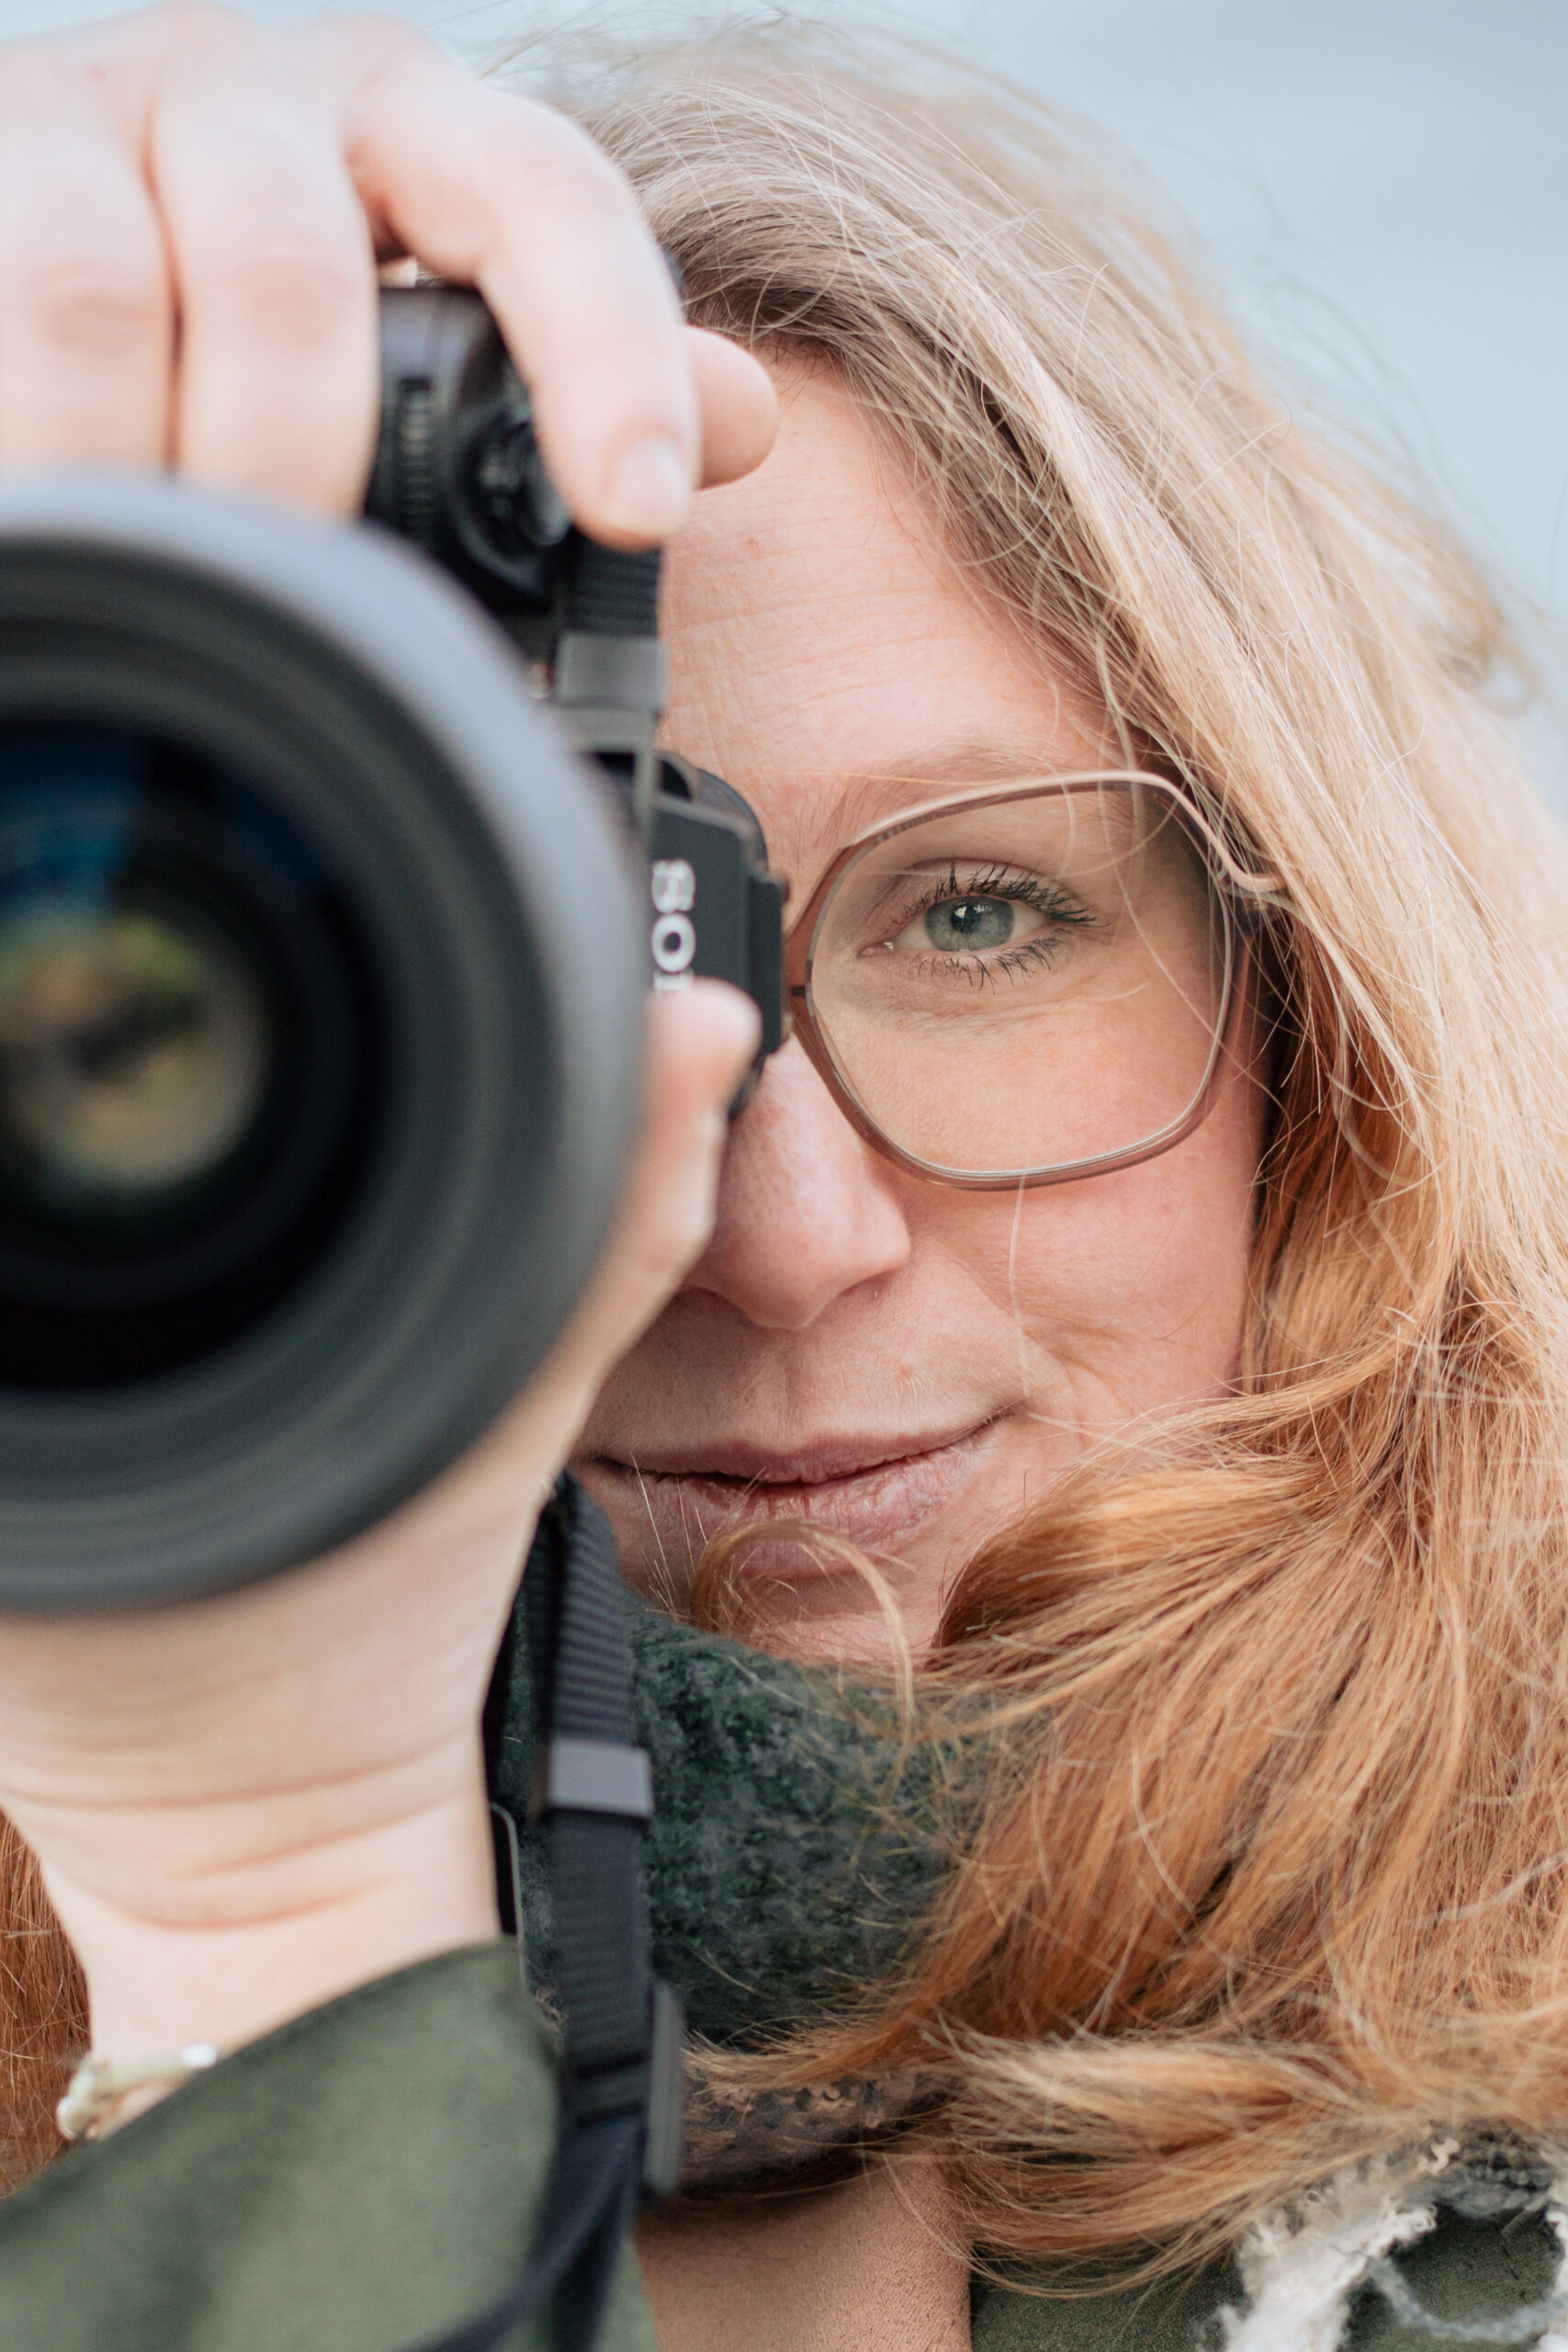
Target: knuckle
x,y
43,81
374,50
191,17
515,148
90,305
517,177
562,161
187,30
293,295
379,36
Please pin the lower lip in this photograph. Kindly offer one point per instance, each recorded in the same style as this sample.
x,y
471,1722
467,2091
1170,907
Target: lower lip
x,y
875,1510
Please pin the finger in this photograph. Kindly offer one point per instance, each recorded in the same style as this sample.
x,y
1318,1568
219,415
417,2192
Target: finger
x,y
701,1041
700,1046
738,405
85,315
276,278
510,197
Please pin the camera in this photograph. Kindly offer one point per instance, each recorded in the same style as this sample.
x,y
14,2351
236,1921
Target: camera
x,y
458,471
335,866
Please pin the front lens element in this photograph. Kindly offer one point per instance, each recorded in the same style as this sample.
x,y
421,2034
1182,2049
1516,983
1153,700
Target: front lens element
x,y
188,1055
1033,982
134,1054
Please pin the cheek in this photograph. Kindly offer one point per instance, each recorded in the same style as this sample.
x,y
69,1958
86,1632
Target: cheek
x,y
1140,1278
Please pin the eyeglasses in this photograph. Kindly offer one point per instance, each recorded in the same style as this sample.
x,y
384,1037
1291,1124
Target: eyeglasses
x,y
1024,984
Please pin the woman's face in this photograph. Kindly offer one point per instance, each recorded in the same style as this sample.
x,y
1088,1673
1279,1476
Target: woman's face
x,y
883,1357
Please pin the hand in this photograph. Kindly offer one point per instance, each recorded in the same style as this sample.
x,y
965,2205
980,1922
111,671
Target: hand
x,y
192,213
247,1804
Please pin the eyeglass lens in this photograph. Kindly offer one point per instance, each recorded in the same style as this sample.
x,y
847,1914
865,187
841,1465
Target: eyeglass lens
x,y
1027,982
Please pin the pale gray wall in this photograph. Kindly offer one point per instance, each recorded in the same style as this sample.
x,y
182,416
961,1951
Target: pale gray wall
x,y
1382,185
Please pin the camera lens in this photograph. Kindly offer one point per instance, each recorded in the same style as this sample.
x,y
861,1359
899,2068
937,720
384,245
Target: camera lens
x,y
187,1051
315,1094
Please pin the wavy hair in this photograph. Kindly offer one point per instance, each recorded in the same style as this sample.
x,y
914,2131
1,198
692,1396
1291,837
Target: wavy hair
x,y
1274,1866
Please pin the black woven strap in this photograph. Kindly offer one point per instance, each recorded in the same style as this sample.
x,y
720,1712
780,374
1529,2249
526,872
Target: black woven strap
x,y
621,2032
582,1670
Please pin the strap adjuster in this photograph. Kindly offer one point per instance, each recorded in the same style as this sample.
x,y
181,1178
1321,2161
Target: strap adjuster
x,y
592,1776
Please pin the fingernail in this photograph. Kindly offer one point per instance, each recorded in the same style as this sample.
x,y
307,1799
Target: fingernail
x,y
649,489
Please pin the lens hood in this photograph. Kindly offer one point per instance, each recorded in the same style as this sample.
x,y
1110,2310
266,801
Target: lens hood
x,y
438,902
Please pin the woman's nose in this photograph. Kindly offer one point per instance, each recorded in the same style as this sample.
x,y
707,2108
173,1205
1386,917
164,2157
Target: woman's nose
x,y
805,1210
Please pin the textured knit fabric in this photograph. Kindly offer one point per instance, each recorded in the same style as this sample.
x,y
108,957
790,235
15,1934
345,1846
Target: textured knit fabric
x,y
796,1845
1473,2262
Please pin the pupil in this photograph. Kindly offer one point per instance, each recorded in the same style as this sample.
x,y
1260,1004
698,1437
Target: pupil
x,y
970,922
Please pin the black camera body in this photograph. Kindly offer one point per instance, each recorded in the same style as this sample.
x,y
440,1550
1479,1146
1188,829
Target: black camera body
x,y
322,965
458,471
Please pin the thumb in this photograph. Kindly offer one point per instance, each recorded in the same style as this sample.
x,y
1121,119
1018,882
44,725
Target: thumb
x,y
701,1041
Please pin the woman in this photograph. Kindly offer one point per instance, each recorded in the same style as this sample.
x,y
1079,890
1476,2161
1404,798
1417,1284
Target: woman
x,y
1227,1476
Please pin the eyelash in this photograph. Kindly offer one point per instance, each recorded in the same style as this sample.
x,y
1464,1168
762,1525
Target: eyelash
x,y
1029,954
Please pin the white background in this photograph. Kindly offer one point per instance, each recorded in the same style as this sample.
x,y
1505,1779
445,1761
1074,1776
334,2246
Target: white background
x,y
1382,186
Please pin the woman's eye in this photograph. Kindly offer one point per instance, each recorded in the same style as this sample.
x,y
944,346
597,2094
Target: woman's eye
x,y
975,924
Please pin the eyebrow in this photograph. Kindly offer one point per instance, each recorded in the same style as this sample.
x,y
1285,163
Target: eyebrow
x,y
936,767
970,759
860,797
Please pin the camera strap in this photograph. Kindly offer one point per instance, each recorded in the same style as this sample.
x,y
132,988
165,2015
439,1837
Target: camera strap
x,y
621,2064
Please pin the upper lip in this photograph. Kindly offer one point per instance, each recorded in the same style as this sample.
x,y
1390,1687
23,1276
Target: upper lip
x,y
803,1465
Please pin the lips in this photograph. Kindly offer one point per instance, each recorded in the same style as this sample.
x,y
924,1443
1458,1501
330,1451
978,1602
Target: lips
x,y
876,1491
828,1463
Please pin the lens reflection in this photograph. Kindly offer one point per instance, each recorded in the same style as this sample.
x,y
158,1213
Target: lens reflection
x,y
190,1067
1032,982
132,1053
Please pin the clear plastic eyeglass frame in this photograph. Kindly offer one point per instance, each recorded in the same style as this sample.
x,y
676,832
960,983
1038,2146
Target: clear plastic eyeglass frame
x,y
1118,967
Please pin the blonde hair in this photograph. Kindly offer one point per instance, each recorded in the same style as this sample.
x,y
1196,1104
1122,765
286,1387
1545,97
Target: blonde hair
x,y
1274,1867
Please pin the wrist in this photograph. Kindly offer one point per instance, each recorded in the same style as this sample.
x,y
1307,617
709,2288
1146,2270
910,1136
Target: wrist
x,y
271,1943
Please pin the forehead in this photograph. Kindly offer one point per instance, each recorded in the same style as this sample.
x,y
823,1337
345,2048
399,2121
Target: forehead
x,y
826,657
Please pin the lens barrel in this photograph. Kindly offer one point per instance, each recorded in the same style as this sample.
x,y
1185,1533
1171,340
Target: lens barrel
x,y
320,1008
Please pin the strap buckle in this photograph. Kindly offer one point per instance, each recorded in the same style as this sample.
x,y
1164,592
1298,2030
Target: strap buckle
x,y
573,1775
